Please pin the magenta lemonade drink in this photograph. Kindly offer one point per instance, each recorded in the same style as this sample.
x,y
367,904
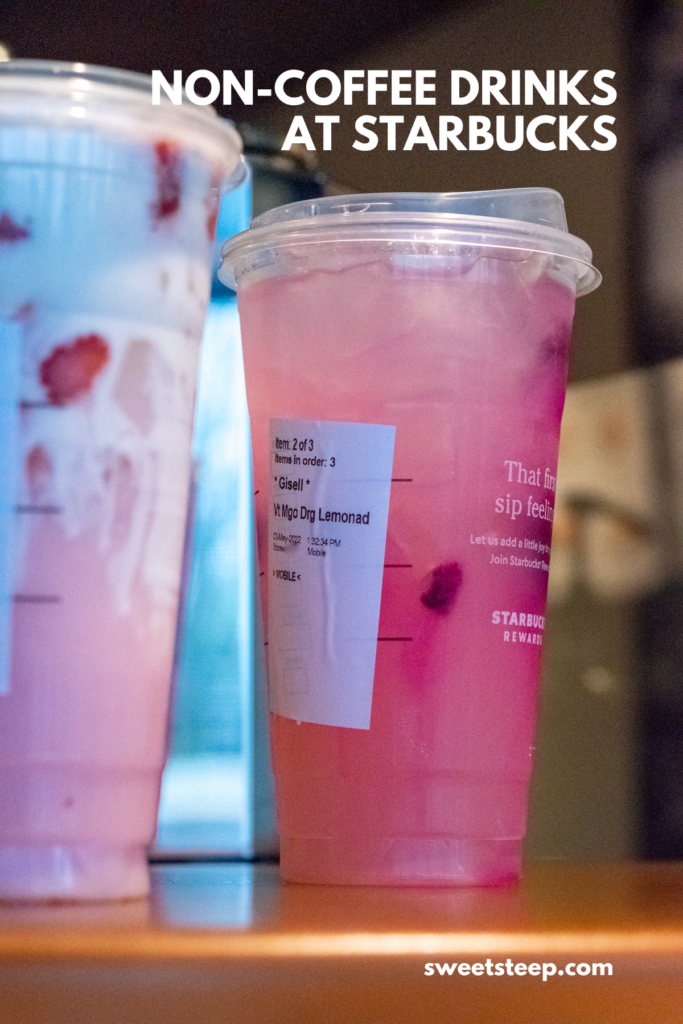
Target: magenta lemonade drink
x,y
108,209
406,361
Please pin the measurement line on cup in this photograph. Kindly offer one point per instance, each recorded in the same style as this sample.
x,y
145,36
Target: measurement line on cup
x,y
50,510
397,565
38,404
401,479
36,598
386,639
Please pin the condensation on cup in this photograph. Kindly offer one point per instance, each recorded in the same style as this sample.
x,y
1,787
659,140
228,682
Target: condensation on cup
x,y
108,209
406,360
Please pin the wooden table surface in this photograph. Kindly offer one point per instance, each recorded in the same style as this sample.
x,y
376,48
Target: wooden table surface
x,y
229,942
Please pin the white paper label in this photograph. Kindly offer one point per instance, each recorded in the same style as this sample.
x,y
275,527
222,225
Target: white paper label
x,y
10,356
329,504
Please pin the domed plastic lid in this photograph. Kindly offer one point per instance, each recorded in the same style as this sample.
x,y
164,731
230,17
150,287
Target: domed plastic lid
x,y
56,94
529,220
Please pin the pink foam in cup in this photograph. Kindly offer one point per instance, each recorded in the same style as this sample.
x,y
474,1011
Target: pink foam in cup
x,y
406,361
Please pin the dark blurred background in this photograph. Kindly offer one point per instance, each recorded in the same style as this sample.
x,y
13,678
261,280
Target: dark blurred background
x,y
609,776
270,37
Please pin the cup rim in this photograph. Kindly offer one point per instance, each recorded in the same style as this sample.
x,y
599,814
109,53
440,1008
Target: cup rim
x,y
411,220
61,70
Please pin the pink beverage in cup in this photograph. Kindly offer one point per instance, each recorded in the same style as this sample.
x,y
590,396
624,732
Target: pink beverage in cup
x,y
108,209
404,667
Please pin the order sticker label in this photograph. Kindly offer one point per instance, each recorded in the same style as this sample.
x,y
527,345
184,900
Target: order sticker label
x,y
327,528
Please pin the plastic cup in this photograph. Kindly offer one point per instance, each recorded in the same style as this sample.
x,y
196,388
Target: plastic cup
x,y
108,208
404,647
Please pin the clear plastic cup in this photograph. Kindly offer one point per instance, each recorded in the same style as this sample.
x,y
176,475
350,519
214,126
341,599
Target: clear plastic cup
x,y
406,359
108,209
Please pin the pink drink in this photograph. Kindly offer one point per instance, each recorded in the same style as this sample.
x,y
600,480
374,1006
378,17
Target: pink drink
x,y
105,269
467,357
